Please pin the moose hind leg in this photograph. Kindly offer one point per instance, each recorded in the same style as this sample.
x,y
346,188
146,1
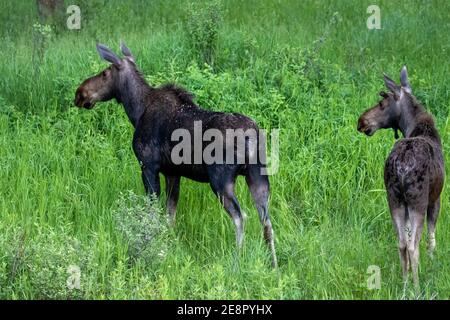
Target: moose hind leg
x,y
225,192
416,216
399,219
432,215
259,188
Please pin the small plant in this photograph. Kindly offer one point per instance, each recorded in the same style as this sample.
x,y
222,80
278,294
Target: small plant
x,y
45,261
64,87
12,257
312,65
52,256
203,29
143,227
41,36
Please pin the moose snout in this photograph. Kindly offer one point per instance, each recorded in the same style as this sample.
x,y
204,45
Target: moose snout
x,y
81,100
361,124
365,127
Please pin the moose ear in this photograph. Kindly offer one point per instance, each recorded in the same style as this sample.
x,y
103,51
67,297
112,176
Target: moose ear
x,y
392,86
404,80
107,54
126,52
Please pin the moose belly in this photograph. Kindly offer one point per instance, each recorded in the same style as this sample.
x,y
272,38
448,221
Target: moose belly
x,y
196,172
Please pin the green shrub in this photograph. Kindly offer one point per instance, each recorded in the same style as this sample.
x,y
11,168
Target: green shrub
x,y
42,35
143,227
12,256
46,264
203,29
53,257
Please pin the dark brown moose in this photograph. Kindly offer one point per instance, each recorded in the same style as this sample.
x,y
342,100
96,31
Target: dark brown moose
x,y
156,114
414,170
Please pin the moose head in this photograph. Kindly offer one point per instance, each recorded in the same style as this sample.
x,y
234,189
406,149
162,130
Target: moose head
x,y
388,112
105,85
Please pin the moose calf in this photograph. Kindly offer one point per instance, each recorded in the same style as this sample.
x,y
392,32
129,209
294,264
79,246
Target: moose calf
x,y
156,114
414,170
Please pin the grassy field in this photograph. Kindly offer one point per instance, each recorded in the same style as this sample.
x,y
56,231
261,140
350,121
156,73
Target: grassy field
x,y
69,178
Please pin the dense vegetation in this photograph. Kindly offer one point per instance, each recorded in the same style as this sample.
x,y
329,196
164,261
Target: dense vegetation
x,y
70,186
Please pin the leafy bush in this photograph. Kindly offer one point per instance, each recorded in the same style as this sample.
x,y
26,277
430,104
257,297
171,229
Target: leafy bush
x,y
50,262
53,257
203,29
12,256
143,227
42,35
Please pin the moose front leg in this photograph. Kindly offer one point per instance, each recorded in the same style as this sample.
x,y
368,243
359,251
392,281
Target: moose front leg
x,y
172,194
150,178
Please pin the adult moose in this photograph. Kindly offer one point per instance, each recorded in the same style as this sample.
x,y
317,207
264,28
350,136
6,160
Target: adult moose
x,y
414,170
156,113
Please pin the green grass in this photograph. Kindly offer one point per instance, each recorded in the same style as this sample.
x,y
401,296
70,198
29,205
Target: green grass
x,y
63,169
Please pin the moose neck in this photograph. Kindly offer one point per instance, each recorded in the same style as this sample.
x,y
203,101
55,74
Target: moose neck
x,y
131,93
410,110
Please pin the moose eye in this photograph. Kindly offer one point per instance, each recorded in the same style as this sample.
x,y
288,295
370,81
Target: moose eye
x,y
104,74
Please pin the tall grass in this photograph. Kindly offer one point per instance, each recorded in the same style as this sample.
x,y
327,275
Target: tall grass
x,y
63,170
